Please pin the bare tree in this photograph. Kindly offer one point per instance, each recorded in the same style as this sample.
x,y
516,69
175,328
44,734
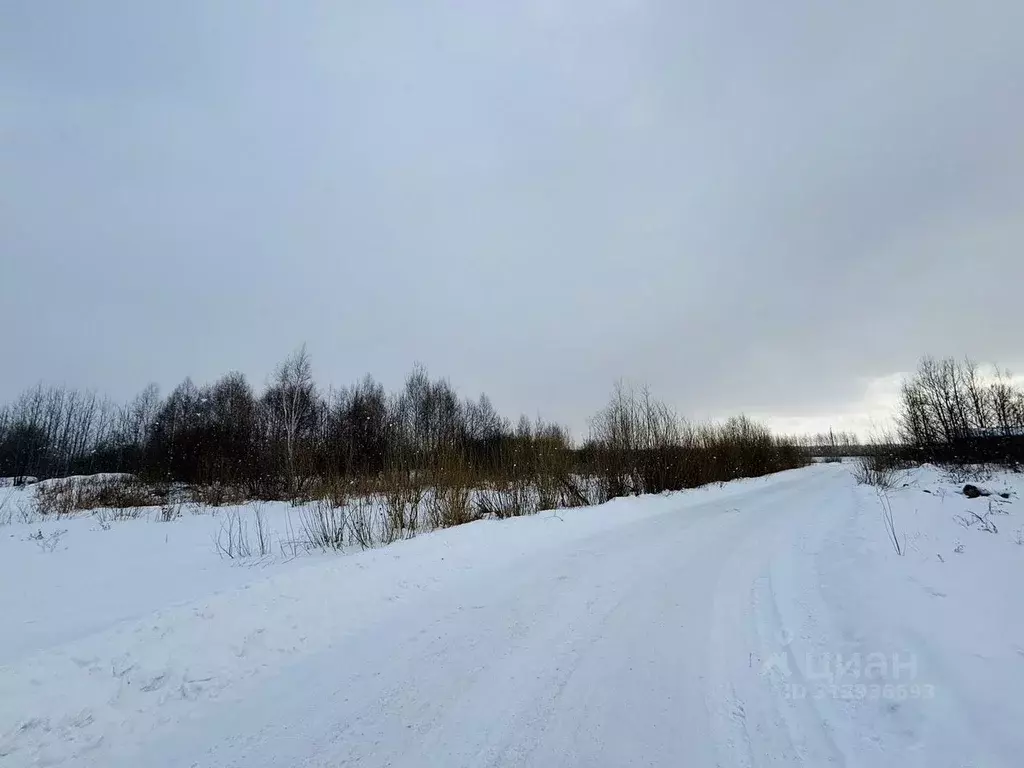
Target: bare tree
x,y
293,397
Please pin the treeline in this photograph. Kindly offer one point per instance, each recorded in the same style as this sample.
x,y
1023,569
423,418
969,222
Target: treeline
x,y
831,444
639,445
269,442
949,412
280,442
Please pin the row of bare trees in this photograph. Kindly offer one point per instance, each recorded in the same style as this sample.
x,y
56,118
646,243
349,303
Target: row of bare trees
x,y
292,436
832,444
52,431
949,410
640,445
272,443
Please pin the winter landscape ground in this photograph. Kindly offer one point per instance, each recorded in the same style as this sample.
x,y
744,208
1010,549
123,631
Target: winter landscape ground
x,y
767,621
528,384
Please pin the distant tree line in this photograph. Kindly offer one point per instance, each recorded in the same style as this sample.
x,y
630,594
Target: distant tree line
x,y
832,444
274,443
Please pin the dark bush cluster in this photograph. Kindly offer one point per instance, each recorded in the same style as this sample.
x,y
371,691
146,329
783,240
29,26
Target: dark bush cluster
x,y
949,413
639,445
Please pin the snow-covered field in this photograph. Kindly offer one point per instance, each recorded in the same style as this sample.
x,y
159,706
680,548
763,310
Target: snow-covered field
x,y
764,622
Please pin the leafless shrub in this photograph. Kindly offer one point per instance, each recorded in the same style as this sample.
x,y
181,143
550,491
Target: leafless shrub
x,y
323,526
878,472
963,473
57,498
451,506
555,482
63,497
449,502
363,521
984,522
6,508
613,485
401,495
233,539
118,493
970,519
217,494
26,513
997,506
126,513
53,540
575,492
900,547
169,512
264,542
48,542
291,544
547,492
487,505
391,523
1018,536
507,497
958,548
334,489
211,495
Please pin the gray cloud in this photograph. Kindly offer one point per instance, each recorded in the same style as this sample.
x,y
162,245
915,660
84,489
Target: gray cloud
x,y
760,207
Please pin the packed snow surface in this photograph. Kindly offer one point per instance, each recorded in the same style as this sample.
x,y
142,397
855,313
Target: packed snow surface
x,y
766,622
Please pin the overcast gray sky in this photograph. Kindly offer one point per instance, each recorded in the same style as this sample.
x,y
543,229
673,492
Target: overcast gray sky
x,y
761,207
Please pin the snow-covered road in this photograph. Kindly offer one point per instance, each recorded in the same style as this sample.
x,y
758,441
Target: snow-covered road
x,y
699,629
